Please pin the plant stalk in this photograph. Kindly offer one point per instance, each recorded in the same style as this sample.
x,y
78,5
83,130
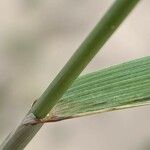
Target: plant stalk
x,y
80,59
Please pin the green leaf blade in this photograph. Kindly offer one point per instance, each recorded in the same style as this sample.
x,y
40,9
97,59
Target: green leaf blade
x,y
121,86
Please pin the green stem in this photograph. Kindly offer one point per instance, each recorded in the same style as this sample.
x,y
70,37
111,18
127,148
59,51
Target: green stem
x,y
84,54
88,49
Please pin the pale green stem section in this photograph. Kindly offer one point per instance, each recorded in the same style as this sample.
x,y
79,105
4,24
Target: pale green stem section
x,y
88,49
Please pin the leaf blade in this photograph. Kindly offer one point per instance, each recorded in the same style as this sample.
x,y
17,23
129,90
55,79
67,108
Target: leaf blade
x,y
117,87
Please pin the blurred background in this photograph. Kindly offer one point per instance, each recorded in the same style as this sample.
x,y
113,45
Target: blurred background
x,y
37,37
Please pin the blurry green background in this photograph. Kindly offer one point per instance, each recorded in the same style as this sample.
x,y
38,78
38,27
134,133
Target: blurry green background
x,y
36,39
